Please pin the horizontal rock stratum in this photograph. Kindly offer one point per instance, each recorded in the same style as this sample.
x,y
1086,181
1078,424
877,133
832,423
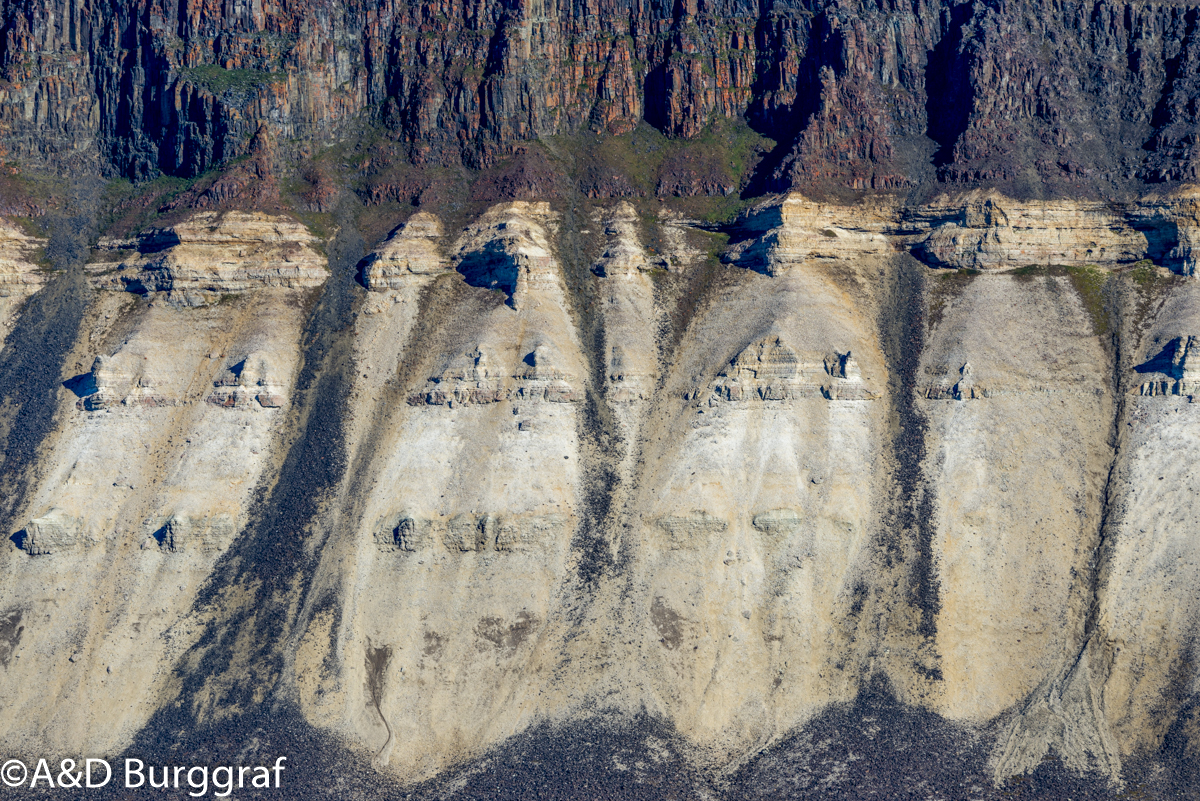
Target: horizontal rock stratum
x,y
608,501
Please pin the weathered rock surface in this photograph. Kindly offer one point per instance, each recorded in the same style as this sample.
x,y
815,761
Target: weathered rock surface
x,y
1035,97
54,532
570,479
142,488
414,249
473,483
214,254
980,231
1018,474
20,275
630,317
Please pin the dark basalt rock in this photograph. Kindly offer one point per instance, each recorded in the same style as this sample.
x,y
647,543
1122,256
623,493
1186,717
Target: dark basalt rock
x,y
1034,97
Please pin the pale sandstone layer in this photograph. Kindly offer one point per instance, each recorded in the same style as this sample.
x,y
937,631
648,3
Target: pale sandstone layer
x,y
982,231
20,274
552,508
1148,617
757,477
1018,458
213,254
166,420
467,481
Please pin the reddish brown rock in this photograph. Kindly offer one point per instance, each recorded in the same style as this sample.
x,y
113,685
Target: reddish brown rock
x,y
1030,96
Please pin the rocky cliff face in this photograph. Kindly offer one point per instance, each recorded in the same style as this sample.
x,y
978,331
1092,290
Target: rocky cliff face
x,y
1037,97
437,395
441,516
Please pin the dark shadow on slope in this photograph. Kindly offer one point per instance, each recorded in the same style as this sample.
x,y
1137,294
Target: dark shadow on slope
x,y
1174,771
32,359
785,124
878,748
81,385
1161,362
490,267
639,759
158,240
873,748
1163,115
318,766
251,594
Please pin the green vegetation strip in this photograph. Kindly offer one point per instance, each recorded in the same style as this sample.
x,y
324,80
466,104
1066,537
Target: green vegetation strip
x,y
219,80
1089,281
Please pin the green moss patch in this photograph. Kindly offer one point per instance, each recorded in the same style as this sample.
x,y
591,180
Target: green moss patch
x,y
646,163
1090,282
128,208
219,80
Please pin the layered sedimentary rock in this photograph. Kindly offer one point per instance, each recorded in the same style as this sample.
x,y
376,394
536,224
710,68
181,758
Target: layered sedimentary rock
x,y
469,472
571,475
213,254
412,251
988,233
912,443
631,317
143,487
20,275
975,231
724,557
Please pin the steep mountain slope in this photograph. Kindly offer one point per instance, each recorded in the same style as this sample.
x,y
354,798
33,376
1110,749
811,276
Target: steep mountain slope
x,y
501,489
640,400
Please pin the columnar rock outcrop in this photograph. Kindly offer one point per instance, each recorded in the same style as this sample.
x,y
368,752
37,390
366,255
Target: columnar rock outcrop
x,y
1037,97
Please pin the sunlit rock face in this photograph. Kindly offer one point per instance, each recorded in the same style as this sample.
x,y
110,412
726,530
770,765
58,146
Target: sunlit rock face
x,y
748,483
470,500
211,255
626,470
1019,447
759,497
1147,617
412,251
20,273
166,419
1015,386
